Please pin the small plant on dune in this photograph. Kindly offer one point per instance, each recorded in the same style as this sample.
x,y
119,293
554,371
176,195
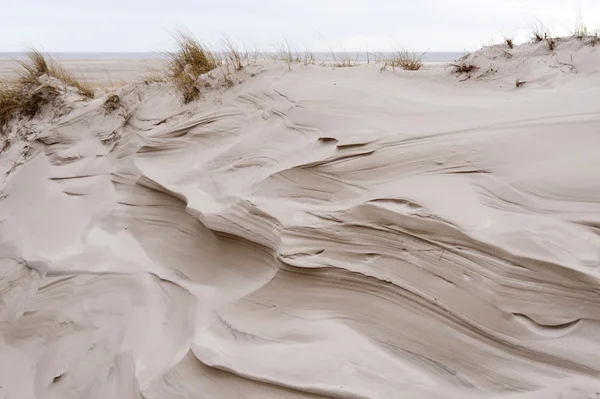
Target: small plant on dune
x,y
343,60
112,103
580,31
308,58
464,67
188,63
283,52
254,53
233,54
509,42
406,60
594,39
538,32
537,37
551,43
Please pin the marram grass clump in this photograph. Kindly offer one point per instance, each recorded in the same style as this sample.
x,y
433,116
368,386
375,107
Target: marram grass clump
x,y
187,63
37,65
409,61
26,96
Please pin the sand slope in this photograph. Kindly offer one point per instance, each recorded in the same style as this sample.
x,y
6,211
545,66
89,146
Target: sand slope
x,y
317,232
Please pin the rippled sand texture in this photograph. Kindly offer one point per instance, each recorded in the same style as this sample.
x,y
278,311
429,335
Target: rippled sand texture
x,y
309,233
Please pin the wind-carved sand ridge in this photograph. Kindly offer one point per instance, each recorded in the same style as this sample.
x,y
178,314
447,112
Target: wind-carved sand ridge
x,y
310,232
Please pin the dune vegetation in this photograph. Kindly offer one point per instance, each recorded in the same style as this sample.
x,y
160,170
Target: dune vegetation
x,y
190,60
26,95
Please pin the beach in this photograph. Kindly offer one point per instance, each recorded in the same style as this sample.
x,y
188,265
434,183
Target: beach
x,y
307,231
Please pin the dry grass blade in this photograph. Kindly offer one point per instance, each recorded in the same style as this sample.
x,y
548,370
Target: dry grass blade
x,y
509,42
186,64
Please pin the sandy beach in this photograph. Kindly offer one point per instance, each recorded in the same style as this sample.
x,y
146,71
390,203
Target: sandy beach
x,y
308,231
103,71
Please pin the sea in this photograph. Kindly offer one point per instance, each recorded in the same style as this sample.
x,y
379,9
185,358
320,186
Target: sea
x,y
428,57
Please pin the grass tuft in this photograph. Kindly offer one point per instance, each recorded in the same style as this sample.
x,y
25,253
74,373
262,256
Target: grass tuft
x,y
11,102
343,61
551,43
27,95
233,54
594,39
538,32
112,103
23,100
186,65
464,67
509,42
405,59
284,52
580,31
38,65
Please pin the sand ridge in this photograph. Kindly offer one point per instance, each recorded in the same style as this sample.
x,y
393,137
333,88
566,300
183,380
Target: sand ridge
x,y
313,232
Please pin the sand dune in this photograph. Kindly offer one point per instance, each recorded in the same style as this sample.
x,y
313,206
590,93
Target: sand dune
x,y
311,232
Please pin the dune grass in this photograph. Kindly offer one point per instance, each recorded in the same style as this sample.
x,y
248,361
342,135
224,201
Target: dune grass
x,y
232,54
510,42
111,103
284,52
539,32
409,61
21,100
11,103
580,30
463,67
37,64
343,60
594,39
26,95
187,63
551,43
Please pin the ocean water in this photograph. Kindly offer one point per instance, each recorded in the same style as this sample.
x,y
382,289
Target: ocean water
x,y
432,57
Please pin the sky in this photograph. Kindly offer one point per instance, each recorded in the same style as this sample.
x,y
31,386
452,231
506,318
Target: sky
x,y
317,25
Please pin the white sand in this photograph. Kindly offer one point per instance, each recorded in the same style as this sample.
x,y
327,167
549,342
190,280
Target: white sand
x,y
317,232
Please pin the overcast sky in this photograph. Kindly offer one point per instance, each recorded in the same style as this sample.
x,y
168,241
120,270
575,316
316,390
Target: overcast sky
x,y
351,25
